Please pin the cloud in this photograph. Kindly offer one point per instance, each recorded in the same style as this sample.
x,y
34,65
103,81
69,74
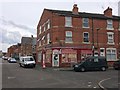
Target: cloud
x,y
11,33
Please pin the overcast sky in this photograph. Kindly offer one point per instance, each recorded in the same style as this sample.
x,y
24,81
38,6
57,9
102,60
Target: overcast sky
x,y
20,17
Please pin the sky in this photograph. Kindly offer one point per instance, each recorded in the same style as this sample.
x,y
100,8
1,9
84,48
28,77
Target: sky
x,y
19,18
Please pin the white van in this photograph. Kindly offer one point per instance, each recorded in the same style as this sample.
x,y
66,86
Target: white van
x,y
27,61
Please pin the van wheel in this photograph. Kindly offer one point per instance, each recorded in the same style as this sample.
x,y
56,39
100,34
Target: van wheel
x,y
103,69
82,69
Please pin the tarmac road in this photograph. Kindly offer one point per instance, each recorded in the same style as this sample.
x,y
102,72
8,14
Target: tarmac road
x,y
14,76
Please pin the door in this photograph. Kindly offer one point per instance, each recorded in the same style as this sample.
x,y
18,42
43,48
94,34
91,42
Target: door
x,y
55,60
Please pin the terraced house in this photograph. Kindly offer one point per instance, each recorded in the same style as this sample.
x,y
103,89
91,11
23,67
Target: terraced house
x,y
66,37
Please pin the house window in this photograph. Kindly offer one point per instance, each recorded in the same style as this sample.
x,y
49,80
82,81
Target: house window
x,y
48,24
43,40
109,24
68,38
68,21
48,38
85,22
44,27
40,30
111,54
110,38
86,37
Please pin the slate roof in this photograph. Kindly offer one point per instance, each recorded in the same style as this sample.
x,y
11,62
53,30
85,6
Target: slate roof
x,y
26,40
82,14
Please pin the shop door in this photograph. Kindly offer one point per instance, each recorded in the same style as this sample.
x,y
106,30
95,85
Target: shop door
x,y
55,60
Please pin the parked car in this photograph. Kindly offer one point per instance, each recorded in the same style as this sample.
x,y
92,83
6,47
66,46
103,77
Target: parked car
x,y
12,60
5,58
116,65
27,61
91,63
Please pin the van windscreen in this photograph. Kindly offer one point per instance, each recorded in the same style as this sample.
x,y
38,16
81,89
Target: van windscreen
x,y
28,59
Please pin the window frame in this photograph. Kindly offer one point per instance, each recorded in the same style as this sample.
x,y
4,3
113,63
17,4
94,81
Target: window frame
x,y
84,22
85,37
48,38
110,24
67,37
68,21
110,39
111,53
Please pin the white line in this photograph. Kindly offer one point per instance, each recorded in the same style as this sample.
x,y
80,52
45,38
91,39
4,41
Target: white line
x,y
101,82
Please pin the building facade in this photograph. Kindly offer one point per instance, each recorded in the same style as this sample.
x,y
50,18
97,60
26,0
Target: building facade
x,y
66,37
28,46
14,51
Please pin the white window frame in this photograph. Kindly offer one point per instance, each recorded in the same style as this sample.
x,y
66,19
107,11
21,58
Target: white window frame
x,y
68,36
48,38
110,24
40,29
48,24
84,37
110,39
68,21
110,53
84,22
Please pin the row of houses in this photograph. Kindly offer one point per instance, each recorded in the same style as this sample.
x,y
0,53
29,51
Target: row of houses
x,y
66,37
25,48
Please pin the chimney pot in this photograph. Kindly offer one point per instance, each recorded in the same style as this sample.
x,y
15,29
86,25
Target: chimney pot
x,y
75,9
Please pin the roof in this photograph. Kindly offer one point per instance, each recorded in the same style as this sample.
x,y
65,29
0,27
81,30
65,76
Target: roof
x,y
26,40
82,14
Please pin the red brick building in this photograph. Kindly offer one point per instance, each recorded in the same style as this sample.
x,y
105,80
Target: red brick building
x,y
14,51
65,37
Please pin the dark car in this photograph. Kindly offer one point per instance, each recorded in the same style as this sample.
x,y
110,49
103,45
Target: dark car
x,y
116,65
92,63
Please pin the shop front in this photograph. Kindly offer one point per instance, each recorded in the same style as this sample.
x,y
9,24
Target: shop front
x,y
63,57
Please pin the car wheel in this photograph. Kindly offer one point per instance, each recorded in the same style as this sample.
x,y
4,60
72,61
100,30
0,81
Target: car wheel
x,y
103,69
82,69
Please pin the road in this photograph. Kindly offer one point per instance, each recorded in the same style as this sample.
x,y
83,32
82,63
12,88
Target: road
x,y
14,76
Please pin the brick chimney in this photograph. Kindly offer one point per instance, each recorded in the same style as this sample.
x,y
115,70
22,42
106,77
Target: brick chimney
x,y
108,12
75,9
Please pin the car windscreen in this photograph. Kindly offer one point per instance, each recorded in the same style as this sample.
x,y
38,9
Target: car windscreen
x,y
28,59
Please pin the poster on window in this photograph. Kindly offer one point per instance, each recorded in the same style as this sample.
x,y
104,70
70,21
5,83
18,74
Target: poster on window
x,y
69,56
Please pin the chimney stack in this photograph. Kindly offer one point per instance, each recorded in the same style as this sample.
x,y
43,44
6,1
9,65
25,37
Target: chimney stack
x,y
108,12
75,9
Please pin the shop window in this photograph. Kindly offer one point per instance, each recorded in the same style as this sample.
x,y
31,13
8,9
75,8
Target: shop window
x,y
69,58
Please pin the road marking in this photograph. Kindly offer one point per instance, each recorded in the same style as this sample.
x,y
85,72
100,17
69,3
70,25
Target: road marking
x,y
94,87
89,85
101,82
11,77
